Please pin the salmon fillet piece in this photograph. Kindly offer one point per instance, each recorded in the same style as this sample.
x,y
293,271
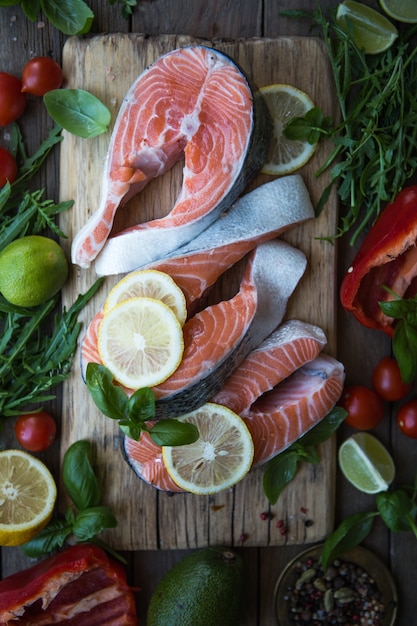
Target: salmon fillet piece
x,y
293,407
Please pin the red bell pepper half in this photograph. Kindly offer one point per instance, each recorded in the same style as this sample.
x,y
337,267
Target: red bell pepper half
x,y
387,257
79,586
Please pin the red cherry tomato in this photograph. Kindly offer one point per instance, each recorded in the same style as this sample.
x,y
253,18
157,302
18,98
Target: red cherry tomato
x,y
364,407
12,100
35,431
407,419
41,75
387,381
8,167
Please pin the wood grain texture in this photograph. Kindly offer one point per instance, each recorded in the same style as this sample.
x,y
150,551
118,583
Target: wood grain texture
x,y
107,65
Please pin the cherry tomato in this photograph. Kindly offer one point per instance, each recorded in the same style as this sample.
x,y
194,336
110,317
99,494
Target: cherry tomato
x,y
364,407
387,381
407,419
12,100
41,75
8,167
35,431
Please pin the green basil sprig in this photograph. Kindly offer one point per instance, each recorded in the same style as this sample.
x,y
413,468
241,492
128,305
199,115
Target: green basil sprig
x,y
404,340
133,412
87,518
71,17
281,470
397,509
78,111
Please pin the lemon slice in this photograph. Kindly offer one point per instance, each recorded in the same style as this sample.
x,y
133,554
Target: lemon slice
x,y
141,342
150,284
366,463
370,30
27,497
219,459
285,102
401,10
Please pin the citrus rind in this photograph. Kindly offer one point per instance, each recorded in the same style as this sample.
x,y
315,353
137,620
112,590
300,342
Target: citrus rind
x,y
27,495
141,342
220,458
149,284
285,155
366,463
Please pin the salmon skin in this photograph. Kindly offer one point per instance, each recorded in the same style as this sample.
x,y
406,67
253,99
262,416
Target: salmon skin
x,y
290,346
193,102
258,216
292,408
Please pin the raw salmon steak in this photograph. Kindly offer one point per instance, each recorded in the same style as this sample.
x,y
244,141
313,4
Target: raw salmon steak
x,y
293,344
193,103
293,407
305,386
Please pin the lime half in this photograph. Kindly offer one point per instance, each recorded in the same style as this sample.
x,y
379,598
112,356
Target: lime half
x,y
366,463
370,30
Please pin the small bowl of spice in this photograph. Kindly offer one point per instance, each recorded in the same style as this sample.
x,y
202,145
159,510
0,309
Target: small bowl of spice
x,y
357,588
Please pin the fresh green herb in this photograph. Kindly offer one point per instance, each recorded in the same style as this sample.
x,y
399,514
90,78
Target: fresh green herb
x,y
127,6
133,412
71,17
33,361
376,139
87,519
78,111
404,340
281,470
397,509
312,127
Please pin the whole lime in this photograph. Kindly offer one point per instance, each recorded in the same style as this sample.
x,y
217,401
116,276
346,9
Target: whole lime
x,y
32,270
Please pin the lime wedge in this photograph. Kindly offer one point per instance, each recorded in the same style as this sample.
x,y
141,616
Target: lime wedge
x,y
366,463
369,29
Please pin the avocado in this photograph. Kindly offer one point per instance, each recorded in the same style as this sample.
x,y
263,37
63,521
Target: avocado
x,y
205,588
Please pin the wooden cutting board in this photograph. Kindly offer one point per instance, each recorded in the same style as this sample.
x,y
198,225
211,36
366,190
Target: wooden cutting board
x,y
147,519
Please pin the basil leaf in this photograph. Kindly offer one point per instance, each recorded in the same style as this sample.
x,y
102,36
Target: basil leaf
x,y
279,472
78,111
325,428
404,345
131,429
31,8
48,539
171,432
351,532
78,476
141,405
109,398
394,507
71,17
92,521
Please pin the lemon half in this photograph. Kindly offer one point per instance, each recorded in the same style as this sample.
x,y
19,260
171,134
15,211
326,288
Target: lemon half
x,y
366,463
141,342
27,497
150,284
219,459
284,155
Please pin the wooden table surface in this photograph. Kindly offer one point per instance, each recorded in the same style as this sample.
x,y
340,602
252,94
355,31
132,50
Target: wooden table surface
x,y
357,348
